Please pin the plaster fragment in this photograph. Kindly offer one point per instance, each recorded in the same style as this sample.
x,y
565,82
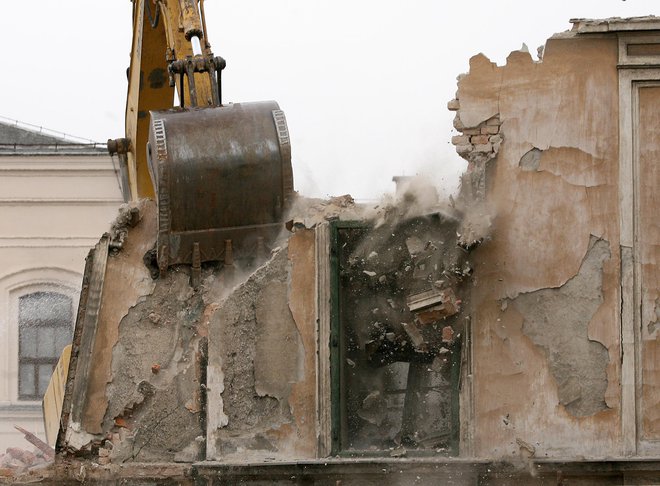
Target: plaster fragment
x,y
531,161
463,149
573,165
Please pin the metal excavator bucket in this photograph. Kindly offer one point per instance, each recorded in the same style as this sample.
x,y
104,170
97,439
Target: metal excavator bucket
x,y
222,177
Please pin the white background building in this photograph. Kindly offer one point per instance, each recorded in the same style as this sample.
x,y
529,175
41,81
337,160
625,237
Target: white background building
x,y
56,199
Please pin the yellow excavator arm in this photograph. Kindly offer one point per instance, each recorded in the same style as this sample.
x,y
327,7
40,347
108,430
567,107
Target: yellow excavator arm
x,y
220,174
165,32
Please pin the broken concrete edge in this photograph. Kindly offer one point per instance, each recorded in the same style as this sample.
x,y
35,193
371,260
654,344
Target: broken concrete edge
x,y
480,142
73,395
416,197
72,439
580,26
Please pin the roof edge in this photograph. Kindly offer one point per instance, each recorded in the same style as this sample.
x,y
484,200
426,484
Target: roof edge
x,y
615,24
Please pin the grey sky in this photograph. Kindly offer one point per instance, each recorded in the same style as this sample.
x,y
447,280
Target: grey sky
x,y
364,83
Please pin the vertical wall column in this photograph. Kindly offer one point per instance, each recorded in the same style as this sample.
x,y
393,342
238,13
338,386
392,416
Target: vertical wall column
x,y
639,166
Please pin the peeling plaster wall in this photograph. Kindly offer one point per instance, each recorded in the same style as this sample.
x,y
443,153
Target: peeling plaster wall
x,y
262,351
547,282
150,396
127,282
143,397
155,389
557,320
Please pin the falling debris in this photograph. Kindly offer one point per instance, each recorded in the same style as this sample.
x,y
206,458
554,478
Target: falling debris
x,y
398,329
433,305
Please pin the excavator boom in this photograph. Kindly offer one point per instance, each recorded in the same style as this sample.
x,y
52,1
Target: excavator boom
x,y
221,173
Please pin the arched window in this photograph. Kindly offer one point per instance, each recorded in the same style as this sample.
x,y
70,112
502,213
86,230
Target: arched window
x,y
45,326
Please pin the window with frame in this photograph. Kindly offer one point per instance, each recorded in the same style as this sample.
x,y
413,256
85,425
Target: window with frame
x,y
395,364
45,323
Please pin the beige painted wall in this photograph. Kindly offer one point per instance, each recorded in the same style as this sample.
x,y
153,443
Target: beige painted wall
x,y
53,208
555,331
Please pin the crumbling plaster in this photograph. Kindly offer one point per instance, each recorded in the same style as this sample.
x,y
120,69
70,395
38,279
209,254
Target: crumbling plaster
x,y
546,211
262,356
557,321
142,400
150,395
127,281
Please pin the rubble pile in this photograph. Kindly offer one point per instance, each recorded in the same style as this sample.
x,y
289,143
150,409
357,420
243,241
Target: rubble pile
x,y
18,462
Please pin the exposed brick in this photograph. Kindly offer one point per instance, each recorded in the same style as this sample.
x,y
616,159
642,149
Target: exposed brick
x,y
453,105
490,129
460,139
471,131
486,147
22,455
458,124
493,121
479,139
464,149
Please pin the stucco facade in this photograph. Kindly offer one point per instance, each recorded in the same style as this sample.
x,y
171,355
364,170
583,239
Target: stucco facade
x,y
56,198
564,339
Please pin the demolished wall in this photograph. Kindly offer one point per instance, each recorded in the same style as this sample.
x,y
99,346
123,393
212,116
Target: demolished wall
x,y
147,364
230,370
545,315
521,278
141,385
262,366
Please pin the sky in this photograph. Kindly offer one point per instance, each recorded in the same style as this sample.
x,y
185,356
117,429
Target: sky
x,y
364,83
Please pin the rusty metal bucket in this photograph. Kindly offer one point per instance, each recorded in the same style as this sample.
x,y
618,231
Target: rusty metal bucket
x,y
222,178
